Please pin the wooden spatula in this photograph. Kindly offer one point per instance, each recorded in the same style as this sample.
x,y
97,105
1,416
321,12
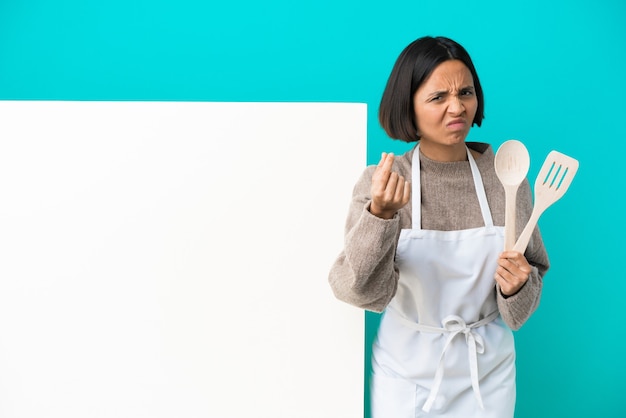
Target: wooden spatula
x,y
552,182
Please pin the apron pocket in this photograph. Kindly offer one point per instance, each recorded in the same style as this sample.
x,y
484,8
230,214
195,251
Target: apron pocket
x,y
393,397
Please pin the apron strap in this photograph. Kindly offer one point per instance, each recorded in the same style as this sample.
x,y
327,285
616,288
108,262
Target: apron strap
x,y
416,198
480,190
453,325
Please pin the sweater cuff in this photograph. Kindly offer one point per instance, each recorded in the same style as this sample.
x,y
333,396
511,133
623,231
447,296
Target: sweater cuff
x,y
517,308
385,227
375,236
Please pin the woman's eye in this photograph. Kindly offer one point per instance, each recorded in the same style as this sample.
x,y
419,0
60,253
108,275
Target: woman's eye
x,y
467,93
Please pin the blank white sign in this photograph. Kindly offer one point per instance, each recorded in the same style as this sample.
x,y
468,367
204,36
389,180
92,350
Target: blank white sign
x,y
171,259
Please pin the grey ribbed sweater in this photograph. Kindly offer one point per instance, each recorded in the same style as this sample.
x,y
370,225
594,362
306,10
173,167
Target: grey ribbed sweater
x,y
365,274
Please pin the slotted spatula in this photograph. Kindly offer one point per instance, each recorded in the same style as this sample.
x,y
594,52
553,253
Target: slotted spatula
x,y
552,182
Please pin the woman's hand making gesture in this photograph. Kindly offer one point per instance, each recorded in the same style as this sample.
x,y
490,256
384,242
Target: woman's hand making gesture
x,y
389,191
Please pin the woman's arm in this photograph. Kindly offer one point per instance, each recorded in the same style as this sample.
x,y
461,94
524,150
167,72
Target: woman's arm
x,y
364,274
517,308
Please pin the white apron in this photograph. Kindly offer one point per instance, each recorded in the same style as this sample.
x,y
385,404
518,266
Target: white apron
x,y
442,349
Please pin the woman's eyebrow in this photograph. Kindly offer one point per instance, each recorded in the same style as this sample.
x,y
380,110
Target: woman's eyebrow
x,y
444,92
438,93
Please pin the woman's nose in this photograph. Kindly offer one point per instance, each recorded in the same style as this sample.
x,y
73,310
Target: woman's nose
x,y
455,106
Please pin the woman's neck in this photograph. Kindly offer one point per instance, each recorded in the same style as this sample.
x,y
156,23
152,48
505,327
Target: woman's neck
x,y
444,153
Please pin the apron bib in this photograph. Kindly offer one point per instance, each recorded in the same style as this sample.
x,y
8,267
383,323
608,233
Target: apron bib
x,y
442,349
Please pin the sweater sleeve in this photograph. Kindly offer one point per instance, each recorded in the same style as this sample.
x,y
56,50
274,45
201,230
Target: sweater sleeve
x,y
364,274
516,309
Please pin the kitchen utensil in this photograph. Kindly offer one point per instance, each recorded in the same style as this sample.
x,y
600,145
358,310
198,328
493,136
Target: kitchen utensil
x,y
552,182
511,163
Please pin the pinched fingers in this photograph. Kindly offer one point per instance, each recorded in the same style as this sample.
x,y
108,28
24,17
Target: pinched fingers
x,y
403,191
389,191
383,169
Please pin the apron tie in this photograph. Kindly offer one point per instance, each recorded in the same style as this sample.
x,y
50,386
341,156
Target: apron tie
x,y
454,325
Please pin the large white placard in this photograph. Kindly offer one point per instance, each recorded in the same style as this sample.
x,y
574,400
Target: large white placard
x,y
171,260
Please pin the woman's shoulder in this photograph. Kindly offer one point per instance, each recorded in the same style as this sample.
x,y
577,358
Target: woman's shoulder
x,y
483,149
483,155
403,163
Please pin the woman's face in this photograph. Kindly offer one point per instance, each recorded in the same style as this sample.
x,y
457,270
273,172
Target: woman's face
x,y
445,105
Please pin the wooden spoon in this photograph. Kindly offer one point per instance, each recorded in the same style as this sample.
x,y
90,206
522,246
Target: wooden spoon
x,y
511,163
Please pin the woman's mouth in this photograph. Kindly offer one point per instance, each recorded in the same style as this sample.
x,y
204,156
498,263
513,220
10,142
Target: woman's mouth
x,y
456,124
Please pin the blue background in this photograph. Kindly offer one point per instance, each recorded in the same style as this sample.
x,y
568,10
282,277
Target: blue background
x,y
553,75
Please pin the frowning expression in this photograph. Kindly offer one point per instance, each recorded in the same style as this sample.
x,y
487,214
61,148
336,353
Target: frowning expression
x,y
445,105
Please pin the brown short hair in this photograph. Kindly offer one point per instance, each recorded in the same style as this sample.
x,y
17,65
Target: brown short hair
x,y
416,62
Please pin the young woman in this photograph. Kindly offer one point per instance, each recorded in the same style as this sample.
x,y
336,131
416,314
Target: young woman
x,y
424,245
